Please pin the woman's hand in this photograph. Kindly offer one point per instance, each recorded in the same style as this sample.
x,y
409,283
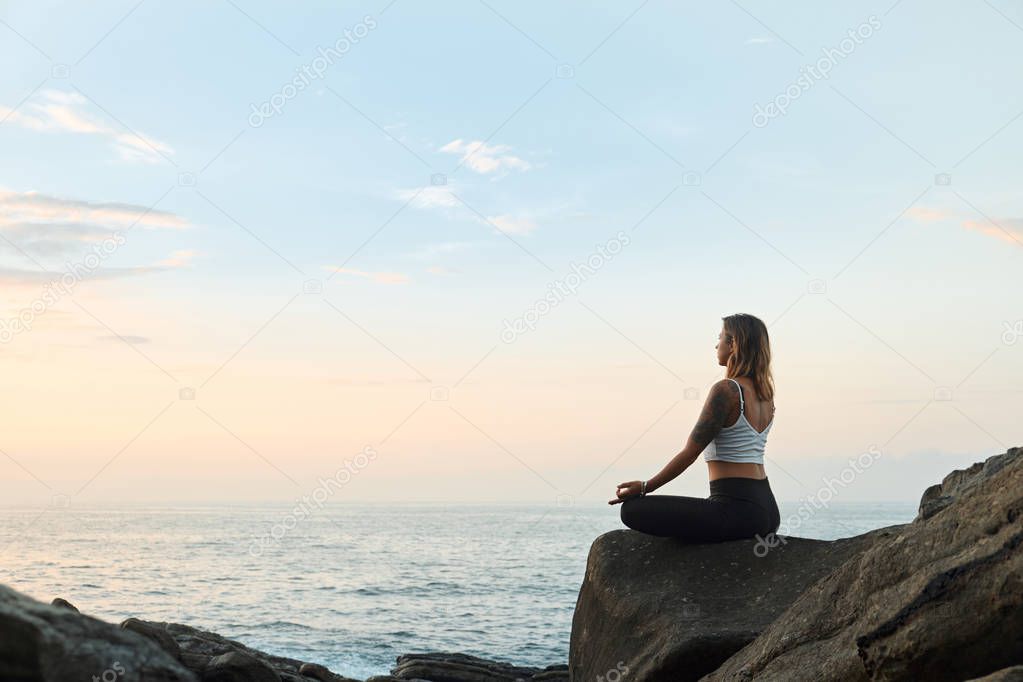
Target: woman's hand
x,y
627,490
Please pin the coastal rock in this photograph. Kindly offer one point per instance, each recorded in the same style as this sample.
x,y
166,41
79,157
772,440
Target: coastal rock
x,y
64,603
955,484
55,643
45,643
448,667
236,666
655,608
158,635
316,672
1013,674
941,600
208,654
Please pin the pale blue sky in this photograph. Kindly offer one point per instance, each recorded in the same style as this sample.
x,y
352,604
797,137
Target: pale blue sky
x,y
633,117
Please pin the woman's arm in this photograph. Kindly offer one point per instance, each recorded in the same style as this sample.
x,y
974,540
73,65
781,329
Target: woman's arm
x,y
712,419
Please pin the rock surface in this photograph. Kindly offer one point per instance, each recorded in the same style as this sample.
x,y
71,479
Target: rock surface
x,y
955,484
215,658
658,609
940,600
1013,674
441,667
158,635
45,643
56,643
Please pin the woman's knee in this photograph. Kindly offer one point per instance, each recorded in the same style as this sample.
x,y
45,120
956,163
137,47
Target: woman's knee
x,y
630,512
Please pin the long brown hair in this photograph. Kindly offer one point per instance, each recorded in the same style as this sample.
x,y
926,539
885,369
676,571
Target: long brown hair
x,y
751,356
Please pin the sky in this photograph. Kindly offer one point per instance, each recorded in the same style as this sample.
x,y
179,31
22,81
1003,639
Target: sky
x,y
480,251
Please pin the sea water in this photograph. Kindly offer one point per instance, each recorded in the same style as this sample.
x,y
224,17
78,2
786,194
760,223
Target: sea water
x,y
349,586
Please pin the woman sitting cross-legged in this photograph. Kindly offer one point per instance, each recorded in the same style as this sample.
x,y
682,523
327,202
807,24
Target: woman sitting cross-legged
x,y
733,428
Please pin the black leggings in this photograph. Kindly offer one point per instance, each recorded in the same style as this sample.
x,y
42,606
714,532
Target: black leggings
x,y
737,508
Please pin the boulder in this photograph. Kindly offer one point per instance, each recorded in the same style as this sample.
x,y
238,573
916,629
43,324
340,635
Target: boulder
x,y
207,654
654,608
45,643
64,603
955,484
448,667
235,666
316,672
941,600
1013,674
157,634
55,643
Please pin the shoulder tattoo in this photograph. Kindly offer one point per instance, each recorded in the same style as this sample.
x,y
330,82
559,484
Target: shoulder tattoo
x,y
712,418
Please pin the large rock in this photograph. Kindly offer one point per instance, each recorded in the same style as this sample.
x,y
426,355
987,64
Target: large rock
x,y
1013,674
942,600
55,643
215,658
158,635
44,643
445,667
236,666
657,609
955,484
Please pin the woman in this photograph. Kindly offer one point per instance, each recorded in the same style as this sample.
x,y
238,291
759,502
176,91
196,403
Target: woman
x,y
735,421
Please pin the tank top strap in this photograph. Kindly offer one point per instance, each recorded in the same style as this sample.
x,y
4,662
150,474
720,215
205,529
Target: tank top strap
x,y
741,402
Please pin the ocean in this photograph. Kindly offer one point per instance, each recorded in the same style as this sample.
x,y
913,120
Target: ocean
x,y
349,586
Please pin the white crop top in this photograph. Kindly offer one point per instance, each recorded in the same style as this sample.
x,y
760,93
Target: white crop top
x,y
739,442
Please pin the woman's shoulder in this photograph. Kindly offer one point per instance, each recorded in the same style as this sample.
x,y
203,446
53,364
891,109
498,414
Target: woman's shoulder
x,y
727,386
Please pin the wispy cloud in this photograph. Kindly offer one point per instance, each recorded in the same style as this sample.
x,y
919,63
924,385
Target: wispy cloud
x,y
378,277
50,226
510,224
484,158
441,270
33,206
63,112
179,259
55,229
443,199
760,40
1008,230
21,277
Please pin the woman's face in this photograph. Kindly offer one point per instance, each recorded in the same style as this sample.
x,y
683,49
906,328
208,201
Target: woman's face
x,y
724,348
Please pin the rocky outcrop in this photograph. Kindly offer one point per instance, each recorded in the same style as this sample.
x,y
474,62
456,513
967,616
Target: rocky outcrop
x,y
462,668
658,609
957,483
214,658
940,600
56,643
46,643
1013,674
